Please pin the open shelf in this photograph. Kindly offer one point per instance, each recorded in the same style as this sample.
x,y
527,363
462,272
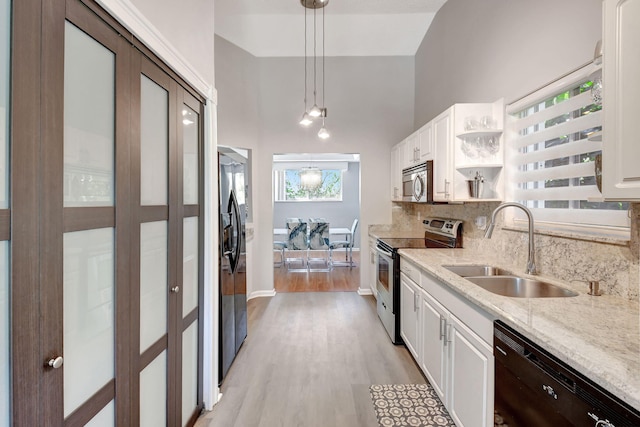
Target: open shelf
x,y
476,133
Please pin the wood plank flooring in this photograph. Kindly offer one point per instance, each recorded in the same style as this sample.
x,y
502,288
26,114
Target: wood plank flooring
x,y
308,361
340,279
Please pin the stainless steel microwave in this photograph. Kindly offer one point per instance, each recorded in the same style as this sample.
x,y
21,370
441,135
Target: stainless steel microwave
x,y
417,183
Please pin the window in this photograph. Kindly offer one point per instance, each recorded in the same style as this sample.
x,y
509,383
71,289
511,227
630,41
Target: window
x,y
287,186
553,137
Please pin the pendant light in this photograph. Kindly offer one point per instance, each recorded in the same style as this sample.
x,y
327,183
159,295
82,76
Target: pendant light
x,y
315,111
323,133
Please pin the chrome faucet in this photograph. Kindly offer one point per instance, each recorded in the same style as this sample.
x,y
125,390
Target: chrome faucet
x,y
531,262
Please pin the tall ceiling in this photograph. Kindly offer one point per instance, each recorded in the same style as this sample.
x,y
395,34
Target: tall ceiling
x,y
273,28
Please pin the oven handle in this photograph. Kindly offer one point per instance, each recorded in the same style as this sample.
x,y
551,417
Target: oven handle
x,y
383,252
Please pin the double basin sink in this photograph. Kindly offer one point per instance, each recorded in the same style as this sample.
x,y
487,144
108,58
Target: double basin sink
x,y
505,283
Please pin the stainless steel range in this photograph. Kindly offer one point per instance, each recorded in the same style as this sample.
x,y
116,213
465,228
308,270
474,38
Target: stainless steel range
x,y
439,233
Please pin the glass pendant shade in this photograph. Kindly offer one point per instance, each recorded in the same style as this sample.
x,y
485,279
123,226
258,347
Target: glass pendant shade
x,y
310,178
306,120
315,111
323,133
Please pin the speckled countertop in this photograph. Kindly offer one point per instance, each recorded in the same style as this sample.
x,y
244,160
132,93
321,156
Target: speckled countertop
x,y
597,336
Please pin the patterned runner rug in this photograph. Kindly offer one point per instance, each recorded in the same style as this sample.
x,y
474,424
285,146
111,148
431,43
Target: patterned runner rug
x,y
408,405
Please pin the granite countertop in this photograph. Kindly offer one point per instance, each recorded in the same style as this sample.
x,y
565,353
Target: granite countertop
x,y
597,336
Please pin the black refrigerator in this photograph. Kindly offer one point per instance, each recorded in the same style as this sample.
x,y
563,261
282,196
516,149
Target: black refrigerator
x,y
232,267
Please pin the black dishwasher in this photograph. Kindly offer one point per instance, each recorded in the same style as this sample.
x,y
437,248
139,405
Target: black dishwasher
x,y
535,389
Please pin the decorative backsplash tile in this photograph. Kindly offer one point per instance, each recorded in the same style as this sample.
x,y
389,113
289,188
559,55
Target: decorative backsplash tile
x,y
615,264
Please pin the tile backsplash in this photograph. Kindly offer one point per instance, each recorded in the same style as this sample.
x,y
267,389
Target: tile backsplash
x,y
616,264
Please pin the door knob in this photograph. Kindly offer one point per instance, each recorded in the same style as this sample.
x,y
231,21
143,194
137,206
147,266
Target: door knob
x,y
175,289
56,362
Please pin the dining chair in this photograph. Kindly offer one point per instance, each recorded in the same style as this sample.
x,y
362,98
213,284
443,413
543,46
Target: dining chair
x,y
318,241
297,240
279,246
347,245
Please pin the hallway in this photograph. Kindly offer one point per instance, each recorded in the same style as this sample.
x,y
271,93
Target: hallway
x,y
309,360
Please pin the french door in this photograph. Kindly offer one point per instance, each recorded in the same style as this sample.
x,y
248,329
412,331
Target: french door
x,y
104,227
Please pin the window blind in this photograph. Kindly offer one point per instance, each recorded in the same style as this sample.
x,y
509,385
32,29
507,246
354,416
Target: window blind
x,y
553,137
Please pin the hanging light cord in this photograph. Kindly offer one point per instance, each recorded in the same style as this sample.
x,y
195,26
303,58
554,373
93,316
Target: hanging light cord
x,y
323,102
314,53
305,59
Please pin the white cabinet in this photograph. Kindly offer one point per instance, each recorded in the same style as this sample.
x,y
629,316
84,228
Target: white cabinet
x,y
450,340
396,174
442,163
621,91
433,345
461,151
413,150
409,314
425,143
471,376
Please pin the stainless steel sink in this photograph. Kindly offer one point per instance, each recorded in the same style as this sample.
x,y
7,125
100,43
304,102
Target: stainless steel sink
x,y
476,270
519,287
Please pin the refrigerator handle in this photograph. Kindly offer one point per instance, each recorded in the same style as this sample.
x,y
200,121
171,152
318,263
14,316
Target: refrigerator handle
x,y
237,229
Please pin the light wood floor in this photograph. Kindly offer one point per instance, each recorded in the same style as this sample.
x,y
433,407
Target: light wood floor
x,y
339,279
308,360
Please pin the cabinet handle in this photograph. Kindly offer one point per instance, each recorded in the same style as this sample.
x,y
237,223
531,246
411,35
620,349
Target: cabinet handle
x,y
443,327
417,154
415,302
449,328
446,189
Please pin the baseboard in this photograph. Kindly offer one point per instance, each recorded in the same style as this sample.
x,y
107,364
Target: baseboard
x,y
365,291
260,294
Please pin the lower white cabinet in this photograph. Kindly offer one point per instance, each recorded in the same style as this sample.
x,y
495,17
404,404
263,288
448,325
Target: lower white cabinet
x,y
470,381
433,361
456,360
409,314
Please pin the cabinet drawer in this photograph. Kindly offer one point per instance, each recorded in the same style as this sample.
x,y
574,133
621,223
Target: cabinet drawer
x,y
410,270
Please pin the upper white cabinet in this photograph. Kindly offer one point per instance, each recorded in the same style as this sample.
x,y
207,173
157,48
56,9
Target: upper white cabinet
x,y
425,143
442,163
465,141
396,174
621,92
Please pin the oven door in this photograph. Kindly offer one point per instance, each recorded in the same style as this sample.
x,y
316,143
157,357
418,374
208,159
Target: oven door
x,y
384,272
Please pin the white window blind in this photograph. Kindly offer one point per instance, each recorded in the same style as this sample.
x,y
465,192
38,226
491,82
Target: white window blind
x,y
553,137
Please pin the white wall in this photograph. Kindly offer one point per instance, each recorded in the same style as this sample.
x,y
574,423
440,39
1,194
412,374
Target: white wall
x,y
188,26
480,51
370,107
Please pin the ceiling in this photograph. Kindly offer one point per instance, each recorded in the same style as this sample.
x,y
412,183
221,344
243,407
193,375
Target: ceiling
x,y
275,28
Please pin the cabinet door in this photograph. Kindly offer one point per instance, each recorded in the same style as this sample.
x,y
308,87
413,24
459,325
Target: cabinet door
x,y
412,149
403,160
395,174
425,142
470,393
620,151
442,159
432,349
409,314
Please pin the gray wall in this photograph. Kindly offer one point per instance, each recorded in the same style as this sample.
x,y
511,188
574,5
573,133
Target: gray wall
x,y
338,214
370,107
480,51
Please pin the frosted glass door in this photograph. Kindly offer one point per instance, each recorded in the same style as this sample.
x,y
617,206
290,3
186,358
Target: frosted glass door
x,y
190,135
89,252
5,386
189,372
154,143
